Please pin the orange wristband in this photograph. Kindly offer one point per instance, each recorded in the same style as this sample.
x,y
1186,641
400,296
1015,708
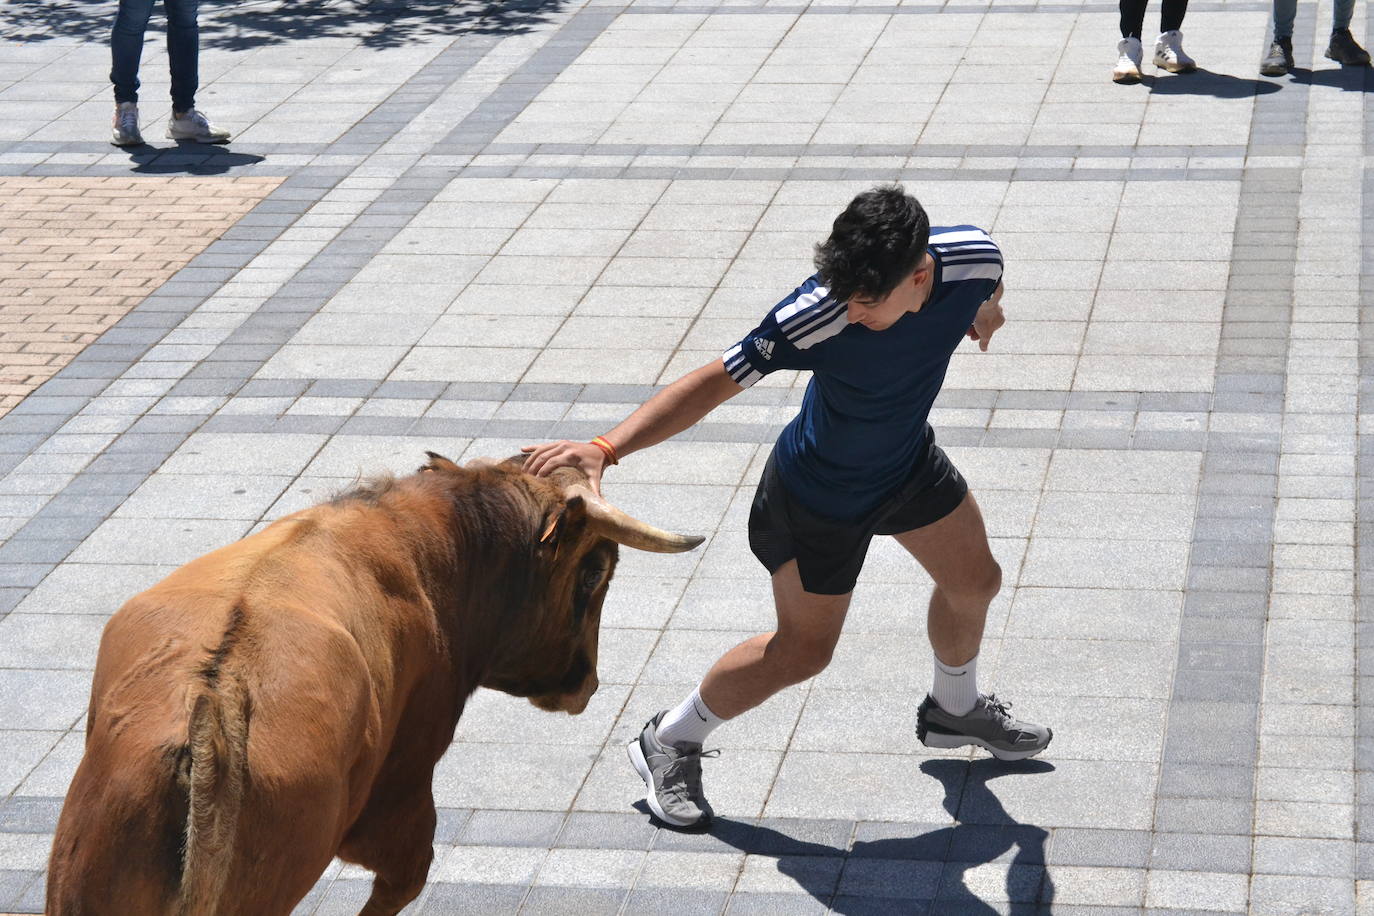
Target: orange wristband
x,y
602,443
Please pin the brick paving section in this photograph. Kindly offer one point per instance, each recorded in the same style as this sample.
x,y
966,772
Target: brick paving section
x,y
77,253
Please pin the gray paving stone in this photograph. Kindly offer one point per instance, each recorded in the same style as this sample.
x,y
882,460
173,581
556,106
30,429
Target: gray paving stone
x,y
1023,884
1024,844
1222,816
925,842
665,901
742,904
1205,656
887,878
1108,848
451,822
1231,604
21,550
1364,861
13,884
1303,856
606,830
10,598
23,575
167,423
1273,894
1225,686
81,507
1220,578
511,828
20,814
142,443
1220,630
795,836
1230,553
42,699
723,835
1201,852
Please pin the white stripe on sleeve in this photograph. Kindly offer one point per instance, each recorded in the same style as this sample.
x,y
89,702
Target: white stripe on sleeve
x,y
739,368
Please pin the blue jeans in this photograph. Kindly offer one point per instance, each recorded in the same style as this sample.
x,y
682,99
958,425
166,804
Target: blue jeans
x,y
1285,11
183,49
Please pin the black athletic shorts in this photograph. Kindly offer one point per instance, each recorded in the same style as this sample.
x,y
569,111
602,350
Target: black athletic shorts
x,y
830,553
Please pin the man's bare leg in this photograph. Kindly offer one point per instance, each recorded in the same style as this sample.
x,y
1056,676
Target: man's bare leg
x,y
808,628
956,553
668,753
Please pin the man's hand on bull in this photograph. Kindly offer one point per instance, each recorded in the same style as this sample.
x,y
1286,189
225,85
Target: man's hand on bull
x,y
540,460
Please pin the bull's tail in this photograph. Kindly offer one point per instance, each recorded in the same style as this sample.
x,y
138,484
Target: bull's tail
x,y
217,749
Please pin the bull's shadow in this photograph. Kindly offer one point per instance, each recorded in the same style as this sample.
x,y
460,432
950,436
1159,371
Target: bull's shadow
x,y
234,25
849,880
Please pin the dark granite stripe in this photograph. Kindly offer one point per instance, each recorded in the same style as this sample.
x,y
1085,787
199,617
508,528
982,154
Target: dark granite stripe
x,y
1211,744
1364,529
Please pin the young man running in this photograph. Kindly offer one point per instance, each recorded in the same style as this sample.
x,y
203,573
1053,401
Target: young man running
x,y
876,325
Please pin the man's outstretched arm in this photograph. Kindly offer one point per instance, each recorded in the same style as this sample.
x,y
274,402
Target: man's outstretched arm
x,y
663,416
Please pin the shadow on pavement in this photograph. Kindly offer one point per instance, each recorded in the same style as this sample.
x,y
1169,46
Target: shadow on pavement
x,y
1205,82
187,158
986,833
238,26
1351,79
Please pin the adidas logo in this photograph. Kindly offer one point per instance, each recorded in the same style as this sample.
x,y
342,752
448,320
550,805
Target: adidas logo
x,y
765,347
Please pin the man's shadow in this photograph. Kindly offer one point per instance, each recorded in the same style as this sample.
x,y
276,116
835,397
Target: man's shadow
x,y
187,158
984,833
1205,82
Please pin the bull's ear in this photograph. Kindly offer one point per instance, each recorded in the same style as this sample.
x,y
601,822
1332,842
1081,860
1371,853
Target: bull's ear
x,y
438,462
570,515
552,526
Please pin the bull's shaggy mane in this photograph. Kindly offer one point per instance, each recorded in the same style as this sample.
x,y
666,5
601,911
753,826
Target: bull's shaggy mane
x,y
368,490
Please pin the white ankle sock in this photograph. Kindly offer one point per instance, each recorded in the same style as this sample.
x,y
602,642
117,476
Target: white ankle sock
x,y
689,722
956,688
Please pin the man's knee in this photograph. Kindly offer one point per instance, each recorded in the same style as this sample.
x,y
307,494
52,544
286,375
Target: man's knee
x,y
182,14
980,584
800,660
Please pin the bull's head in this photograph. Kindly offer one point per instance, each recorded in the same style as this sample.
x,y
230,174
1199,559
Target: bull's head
x,y
574,538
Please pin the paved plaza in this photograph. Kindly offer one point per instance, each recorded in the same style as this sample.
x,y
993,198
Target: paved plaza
x,y
467,227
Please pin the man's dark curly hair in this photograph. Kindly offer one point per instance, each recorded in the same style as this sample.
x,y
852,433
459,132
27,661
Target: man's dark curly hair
x,y
878,239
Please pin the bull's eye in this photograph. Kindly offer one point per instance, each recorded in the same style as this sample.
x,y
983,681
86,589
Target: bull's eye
x,y
591,578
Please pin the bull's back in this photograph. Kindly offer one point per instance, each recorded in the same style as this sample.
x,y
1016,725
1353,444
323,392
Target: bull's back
x,y
284,712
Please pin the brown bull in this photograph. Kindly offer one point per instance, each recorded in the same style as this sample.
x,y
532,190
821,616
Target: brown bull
x,y
285,699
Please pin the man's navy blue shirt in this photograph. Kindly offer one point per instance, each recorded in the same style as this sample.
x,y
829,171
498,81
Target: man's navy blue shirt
x,y
863,420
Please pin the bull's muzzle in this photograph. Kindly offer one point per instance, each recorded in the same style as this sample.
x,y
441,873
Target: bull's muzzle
x,y
571,703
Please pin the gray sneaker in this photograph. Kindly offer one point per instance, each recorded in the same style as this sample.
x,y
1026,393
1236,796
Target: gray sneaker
x,y
989,725
1279,60
673,777
125,128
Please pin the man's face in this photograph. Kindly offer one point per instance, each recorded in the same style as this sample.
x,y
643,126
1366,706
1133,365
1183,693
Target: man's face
x,y
881,314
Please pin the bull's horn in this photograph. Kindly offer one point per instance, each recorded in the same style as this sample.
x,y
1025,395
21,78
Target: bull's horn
x,y
623,528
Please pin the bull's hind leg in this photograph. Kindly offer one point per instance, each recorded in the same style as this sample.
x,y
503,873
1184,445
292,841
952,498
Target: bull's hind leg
x,y
395,838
